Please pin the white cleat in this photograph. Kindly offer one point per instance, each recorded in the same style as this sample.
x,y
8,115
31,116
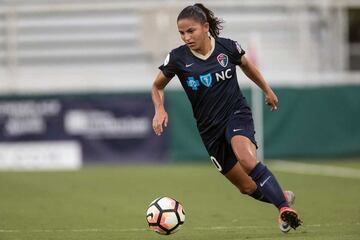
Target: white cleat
x,y
290,198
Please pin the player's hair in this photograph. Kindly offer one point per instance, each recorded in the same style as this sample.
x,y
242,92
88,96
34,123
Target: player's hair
x,y
200,13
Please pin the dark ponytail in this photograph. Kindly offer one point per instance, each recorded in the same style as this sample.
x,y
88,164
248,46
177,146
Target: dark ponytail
x,y
202,14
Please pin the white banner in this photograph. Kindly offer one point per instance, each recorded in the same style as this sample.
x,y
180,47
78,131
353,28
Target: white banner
x,y
44,155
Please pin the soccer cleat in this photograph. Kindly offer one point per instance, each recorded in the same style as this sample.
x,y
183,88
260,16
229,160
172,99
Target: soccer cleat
x,y
290,216
284,226
290,198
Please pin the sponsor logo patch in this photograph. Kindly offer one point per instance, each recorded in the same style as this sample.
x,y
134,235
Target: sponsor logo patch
x,y
206,79
194,84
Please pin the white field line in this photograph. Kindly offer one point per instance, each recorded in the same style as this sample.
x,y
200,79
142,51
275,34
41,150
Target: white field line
x,y
313,169
209,228
269,227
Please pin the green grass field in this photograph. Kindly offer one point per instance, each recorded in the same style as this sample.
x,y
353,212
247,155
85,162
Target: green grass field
x,y
110,203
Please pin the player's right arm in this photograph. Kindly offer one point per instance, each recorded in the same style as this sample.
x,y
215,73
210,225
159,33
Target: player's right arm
x,y
160,119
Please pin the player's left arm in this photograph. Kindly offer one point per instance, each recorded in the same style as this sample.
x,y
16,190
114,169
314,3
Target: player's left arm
x,y
254,74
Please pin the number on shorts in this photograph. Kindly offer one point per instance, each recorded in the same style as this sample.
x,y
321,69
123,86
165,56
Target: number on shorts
x,y
216,163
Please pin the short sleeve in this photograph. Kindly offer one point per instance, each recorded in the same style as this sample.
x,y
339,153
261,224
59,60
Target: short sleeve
x,y
237,51
169,68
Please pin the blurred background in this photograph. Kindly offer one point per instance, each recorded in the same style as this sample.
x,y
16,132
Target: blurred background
x,y
75,79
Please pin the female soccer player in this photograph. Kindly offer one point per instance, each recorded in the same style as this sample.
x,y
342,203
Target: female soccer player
x,y
206,66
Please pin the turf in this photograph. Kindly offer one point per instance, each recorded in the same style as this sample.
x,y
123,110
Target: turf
x,y
110,203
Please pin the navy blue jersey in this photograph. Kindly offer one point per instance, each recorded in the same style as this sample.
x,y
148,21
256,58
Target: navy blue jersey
x,y
210,84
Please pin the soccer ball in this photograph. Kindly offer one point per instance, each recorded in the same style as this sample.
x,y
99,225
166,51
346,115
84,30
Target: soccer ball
x,y
165,215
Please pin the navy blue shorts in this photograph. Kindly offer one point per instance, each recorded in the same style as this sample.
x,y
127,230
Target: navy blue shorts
x,y
221,153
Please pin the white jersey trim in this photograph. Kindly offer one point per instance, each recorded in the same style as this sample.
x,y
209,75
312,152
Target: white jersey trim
x,y
205,57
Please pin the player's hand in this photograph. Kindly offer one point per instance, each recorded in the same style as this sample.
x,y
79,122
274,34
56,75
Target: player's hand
x,y
160,121
271,100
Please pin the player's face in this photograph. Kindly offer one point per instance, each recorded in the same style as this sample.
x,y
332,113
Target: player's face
x,y
193,33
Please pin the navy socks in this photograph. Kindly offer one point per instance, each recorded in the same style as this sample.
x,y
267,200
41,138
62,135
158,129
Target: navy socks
x,y
258,195
267,186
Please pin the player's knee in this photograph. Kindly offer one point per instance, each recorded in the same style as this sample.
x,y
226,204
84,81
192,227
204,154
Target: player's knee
x,y
247,162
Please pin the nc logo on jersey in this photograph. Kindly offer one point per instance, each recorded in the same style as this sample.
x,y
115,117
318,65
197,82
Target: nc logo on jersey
x,y
206,79
194,84
223,59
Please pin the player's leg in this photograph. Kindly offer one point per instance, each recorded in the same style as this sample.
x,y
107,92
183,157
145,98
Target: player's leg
x,y
223,158
244,182
240,135
245,152
246,186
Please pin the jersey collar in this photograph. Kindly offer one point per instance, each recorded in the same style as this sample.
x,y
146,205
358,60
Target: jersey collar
x,y
204,57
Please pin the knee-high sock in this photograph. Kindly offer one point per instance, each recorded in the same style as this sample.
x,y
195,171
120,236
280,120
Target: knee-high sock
x,y
268,185
258,195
